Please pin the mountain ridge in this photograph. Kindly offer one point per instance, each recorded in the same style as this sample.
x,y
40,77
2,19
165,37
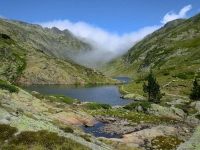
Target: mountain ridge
x,y
171,52
52,41
28,56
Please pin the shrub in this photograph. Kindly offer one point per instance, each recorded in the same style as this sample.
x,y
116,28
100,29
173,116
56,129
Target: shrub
x,y
42,139
144,105
166,73
131,106
67,129
86,137
98,106
6,86
6,132
56,98
4,36
195,92
166,142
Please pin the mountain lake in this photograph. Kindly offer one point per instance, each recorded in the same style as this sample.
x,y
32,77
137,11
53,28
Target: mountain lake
x,y
108,94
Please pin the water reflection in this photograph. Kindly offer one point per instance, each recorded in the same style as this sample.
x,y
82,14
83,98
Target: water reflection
x,y
98,133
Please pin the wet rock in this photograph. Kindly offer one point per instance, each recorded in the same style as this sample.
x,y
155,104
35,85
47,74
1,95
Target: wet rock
x,y
89,124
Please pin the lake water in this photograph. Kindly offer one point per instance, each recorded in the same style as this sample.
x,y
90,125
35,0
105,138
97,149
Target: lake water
x,y
96,131
85,93
88,93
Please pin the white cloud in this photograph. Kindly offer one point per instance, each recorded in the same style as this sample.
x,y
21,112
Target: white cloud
x,y
172,15
105,45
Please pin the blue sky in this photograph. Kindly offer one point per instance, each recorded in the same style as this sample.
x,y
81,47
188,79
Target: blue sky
x,y
110,26
119,16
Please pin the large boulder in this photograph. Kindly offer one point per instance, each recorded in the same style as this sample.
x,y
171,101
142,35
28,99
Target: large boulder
x,y
196,105
170,112
139,136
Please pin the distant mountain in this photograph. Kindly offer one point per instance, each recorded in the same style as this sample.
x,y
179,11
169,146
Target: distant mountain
x,y
53,42
30,54
172,52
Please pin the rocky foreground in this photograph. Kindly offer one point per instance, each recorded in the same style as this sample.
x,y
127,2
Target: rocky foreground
x,y
157,127
28,113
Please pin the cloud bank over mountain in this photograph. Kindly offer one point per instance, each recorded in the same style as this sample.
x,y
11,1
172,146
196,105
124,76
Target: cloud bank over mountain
x,y
172,15
107,45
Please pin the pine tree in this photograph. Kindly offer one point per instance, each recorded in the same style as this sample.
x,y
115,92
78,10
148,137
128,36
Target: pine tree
x,y
152,89
195,94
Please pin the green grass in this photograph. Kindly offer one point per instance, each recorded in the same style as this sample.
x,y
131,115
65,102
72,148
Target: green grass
x,y
6,133
22,67
67,129
118,145
166,142
95,106
56,98
86,137
9,87
185,75
41,140
132,116
144,105
169,58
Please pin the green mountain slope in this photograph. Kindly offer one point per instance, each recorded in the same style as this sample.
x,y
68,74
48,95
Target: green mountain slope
x,y
21,60
172,52
53,42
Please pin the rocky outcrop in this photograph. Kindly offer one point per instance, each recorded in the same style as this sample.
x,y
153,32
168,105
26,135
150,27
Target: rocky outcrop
x,y
53,42
170,112
27,113
23,103
139,137
196,105
193,143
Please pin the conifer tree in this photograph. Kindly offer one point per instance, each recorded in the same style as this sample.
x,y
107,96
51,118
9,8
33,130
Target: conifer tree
x,y
152,89
195,94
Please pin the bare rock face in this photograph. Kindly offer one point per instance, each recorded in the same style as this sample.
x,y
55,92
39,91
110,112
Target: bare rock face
x,y
77,120
170,112
193,142
140,136
196,105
